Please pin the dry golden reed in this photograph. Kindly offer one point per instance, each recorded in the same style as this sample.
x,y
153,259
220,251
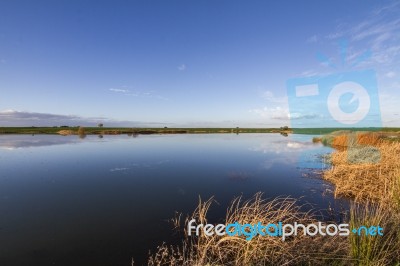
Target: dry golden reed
x,y
373,181
368,138
340,141
375,250
261,250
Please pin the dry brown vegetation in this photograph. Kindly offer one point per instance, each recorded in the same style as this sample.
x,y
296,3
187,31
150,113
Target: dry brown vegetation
x,y
316,140
261,250
375,251
366,167
66,132
372,139
355,174
357,138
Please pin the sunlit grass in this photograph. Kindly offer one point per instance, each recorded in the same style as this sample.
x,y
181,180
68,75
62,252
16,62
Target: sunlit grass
x,y
355,174
375,250
261,250
366,167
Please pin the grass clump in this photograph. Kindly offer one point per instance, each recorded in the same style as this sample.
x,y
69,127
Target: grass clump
x,y
363,155
375,250
316,139
366,167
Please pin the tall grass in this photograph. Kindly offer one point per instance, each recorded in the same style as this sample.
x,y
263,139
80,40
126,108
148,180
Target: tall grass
x,y
375,250
261,250
369,138
356,176
81,131
328,139
366,167
347,138
355,138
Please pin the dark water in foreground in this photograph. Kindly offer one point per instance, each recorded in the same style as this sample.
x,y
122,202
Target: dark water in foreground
x,y
92,201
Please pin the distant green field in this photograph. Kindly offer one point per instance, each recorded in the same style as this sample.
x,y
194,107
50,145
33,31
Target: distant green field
x,y
321,131
116,130
120,130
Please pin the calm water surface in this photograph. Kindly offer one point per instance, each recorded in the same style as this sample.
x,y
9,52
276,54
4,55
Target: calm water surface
x,y
101,201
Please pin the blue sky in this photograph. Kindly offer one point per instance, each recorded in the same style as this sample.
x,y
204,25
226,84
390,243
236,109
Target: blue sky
x,y
184,63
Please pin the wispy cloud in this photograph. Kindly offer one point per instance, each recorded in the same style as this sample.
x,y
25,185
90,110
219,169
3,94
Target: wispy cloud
x,y
390,74
334,35
390,108
182,67
270,97
309,73
275,113
24,118
124,90
119,90
22,141
391,6
276,108
298,116
312,39
12,114
379,32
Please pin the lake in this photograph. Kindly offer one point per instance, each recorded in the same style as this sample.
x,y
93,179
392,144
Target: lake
x,y
101,201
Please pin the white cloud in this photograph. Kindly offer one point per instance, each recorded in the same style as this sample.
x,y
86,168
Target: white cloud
x,y
119,90
13,142
390,74
276,109
298,116
24,118
284,151
276,113
312,39
119,169
12,117
391,6
390,109
147,94
335,35
379,32
309,73
182,67
270,97
7,111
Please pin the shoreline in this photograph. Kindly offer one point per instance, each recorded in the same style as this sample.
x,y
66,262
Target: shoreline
x,y
64,130
138,131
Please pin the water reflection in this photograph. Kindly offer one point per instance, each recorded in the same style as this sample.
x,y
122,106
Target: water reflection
x,y
11,142
295,150
100,201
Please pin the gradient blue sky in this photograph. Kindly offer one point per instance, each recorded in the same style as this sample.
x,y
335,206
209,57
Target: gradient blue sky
x,y
183,63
